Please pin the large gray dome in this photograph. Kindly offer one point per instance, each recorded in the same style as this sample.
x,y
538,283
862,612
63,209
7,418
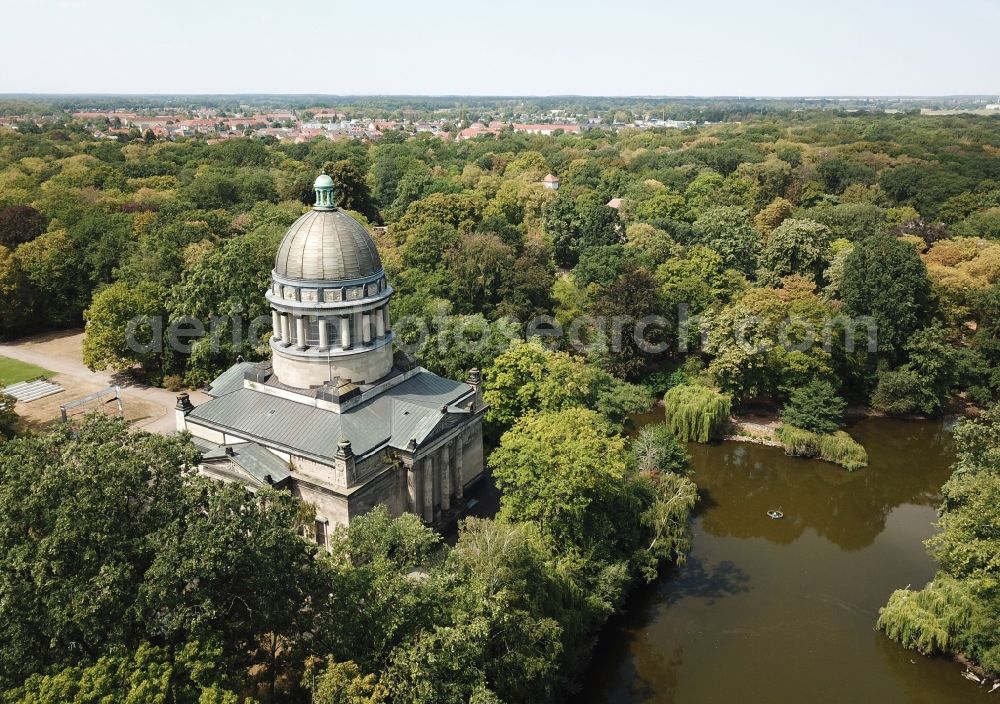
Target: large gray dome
x,y
327,245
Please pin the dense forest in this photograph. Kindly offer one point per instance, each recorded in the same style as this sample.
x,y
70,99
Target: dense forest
x,y
126,578
811,218
747,243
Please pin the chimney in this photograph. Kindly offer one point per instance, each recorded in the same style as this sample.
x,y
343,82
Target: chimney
x,y
344,463
181,409
475,380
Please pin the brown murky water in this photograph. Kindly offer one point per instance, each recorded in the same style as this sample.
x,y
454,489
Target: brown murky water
x,y
782,611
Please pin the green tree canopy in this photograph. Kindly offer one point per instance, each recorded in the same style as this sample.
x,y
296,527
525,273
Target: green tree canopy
x,y
551,467
885,278
696,413
795,247
527,378
134,549
815,407
959,611
728,231
351,189
121,311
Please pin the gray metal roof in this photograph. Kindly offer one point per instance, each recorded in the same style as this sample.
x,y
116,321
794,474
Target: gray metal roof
x,y
208,450
409,410
230,380
260,463
256,460
429,388
327,245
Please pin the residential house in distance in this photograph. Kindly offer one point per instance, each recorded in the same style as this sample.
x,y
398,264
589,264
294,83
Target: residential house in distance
x,y
547,129
478,128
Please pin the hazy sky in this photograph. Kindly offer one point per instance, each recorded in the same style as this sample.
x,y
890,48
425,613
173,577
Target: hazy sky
x,y
535,47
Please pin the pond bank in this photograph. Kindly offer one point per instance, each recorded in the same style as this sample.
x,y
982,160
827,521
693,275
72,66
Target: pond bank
x,y
786,608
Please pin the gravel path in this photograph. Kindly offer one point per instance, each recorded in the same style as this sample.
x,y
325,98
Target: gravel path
x,y
62,352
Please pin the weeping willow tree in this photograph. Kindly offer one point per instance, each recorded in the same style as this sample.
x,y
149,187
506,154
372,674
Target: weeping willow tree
x,y
930,619
959,612
696,413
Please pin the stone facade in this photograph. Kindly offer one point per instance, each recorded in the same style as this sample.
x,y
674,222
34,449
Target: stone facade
x,y
429,479
316,370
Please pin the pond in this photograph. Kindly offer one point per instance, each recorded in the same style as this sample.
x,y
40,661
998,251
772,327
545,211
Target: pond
x,y
783,610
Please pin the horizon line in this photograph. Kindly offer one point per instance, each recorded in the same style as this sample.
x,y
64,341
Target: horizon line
x,y
734,96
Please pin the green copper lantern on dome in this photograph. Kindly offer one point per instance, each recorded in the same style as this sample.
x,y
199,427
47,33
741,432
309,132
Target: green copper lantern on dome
x,y
324,193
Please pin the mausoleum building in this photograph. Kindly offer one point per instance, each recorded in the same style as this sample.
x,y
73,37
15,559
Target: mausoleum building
x,y
335,417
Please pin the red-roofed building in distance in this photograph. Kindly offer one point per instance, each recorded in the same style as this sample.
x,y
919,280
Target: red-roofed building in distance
x,y
305,134
551,182
547,129
478,128
125,118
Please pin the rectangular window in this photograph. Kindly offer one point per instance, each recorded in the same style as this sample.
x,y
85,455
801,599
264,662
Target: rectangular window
x,y
321,533
332,331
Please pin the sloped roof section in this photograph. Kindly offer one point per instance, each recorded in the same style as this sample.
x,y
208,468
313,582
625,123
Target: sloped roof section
x,y
412,421
229,380
260,463
429,388
208,450
278,421
409,410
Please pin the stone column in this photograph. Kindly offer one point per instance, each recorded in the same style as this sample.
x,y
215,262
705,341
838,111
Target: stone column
x,y
414,490
300,332
427,487
434,469
286,336
366,328
275,324
379,324
385,317
459,450
356,329
445,464
345,332
324,335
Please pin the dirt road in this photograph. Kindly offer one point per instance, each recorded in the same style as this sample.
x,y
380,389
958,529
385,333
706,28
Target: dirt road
x,y
149,407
